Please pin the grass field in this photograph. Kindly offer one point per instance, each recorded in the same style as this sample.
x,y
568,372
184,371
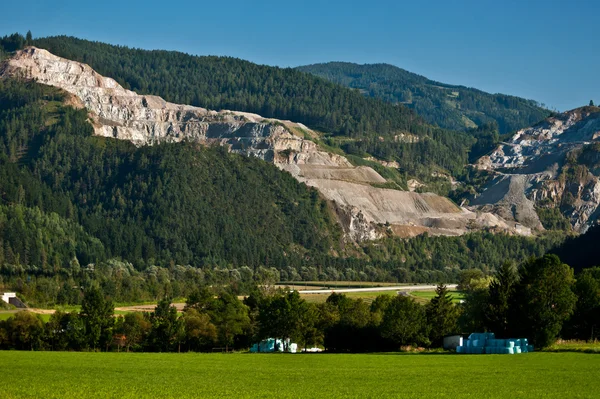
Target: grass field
x,y
336,284
7,315
428,295
420,296
575,346
125,375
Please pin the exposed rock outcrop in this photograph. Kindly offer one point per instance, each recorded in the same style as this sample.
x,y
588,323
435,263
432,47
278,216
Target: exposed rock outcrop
x,y
364,210
553,164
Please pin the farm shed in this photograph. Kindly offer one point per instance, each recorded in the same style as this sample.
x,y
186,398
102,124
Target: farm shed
x,y
11,298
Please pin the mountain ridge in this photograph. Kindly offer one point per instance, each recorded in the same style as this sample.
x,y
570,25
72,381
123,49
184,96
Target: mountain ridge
x,y
462,109
362,207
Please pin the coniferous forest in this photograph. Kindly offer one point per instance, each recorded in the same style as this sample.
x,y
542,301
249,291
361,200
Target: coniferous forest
x,y
448,106
78,210
346,117
163,218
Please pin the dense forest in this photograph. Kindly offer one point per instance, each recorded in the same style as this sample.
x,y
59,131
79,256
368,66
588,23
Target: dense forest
x,y
358,124
448,106
141,222
180,202
581,251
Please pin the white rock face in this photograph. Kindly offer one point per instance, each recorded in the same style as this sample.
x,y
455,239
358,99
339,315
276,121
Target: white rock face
x,y
364,210
530,169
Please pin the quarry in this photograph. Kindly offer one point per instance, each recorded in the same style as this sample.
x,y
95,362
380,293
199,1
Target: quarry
x,y
365,211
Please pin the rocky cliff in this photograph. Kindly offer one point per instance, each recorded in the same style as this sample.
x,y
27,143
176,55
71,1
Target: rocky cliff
x,y
364,210
554,164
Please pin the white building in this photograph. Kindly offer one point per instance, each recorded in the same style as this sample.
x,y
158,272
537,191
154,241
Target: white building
x,y
7,295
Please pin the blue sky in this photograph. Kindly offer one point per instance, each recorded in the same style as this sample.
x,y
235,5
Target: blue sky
x,y
545,50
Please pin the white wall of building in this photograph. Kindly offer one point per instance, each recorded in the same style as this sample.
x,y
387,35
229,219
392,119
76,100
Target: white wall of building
x,y
7,295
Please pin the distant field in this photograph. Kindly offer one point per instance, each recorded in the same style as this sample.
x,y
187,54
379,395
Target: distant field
x,y
420,296
122,375
576,346
428,295
4,315
124,308
299,285
366,296
7,315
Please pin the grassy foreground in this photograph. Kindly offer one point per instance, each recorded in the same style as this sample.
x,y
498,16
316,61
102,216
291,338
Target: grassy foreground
x,y
128,375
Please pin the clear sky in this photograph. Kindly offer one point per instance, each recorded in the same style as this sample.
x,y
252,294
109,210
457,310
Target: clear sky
x,y
547,50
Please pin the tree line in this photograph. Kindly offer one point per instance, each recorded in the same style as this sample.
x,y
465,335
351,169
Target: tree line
x,y
541,301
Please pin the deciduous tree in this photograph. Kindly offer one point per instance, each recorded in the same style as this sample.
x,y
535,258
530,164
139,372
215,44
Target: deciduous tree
x,y
543,299
97,316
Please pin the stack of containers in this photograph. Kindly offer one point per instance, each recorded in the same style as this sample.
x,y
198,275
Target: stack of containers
x,y
479,343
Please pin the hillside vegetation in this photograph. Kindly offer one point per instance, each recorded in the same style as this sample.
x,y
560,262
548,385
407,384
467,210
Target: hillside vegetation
x,y
581,252
358,124
163,218
67,194
448,106
150,221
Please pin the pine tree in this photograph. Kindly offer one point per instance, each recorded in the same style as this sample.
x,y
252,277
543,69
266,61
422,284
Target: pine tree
x,y
28,38
501,289
591,103
442,315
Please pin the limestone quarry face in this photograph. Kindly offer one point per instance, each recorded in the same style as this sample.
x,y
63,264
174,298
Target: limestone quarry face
x,y
365,211
542,166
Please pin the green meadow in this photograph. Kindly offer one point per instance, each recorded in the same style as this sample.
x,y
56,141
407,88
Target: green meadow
x,y
151,375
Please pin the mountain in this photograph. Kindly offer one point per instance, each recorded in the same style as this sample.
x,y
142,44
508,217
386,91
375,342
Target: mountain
x,y
365,209
175,202
228,83
547,174
169,204
344,118
448,106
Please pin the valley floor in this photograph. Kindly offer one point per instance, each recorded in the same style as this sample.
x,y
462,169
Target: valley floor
x,y
145,375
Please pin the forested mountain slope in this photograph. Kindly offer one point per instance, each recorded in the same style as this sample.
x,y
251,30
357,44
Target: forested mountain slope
x,y
363,200
183,203
347,119
177,215
229,83
448,106
149,221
